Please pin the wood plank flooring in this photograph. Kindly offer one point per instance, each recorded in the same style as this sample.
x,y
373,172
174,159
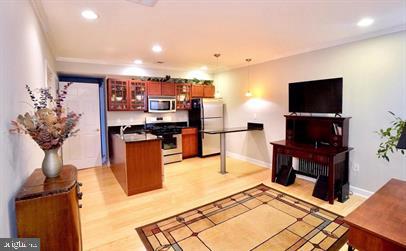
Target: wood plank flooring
x,y
109,217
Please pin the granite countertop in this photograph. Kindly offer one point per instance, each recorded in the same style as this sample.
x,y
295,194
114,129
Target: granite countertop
x,y
138,137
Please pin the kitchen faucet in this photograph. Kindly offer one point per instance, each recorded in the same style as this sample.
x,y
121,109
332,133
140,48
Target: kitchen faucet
x,y
122,129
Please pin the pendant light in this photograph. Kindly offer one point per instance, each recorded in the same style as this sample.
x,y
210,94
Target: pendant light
x,y
248,93
217,94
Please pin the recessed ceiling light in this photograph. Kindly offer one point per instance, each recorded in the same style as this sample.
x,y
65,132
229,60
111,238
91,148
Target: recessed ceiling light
x,y
89,14
204,68
138,61
156,48
364,22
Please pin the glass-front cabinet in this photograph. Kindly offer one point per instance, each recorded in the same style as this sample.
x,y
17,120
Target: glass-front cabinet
x,y
183,96
138,95
117,95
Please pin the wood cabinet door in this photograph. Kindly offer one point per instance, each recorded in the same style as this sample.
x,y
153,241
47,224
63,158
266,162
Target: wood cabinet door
x,y
117,95
208,91
154,89
197,91
168,89
189,142
183,96
137,95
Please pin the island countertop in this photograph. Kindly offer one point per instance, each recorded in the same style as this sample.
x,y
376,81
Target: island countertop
x,y
136,162
137,137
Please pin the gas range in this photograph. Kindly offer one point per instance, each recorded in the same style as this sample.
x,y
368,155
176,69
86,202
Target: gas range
x,y
164,129
171,133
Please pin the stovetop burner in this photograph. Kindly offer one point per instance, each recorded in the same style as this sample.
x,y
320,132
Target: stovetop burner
x,y
164,129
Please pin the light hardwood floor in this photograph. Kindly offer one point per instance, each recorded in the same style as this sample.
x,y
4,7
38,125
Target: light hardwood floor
x,y
109,217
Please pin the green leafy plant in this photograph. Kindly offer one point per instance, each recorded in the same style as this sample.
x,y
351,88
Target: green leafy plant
x,y
390,137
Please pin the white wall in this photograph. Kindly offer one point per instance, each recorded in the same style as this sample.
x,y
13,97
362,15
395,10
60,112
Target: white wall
x,y
138,118
374,73
97,69
23,52
106,70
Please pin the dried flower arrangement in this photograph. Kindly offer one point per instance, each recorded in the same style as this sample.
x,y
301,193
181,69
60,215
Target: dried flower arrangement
x,y
48,125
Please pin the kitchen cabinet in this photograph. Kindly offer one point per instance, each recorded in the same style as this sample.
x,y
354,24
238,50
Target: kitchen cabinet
x,y
189,142
168,89
117,95
154,88
183,96
48,209
203,91
138,95
197,91
136,162
208,91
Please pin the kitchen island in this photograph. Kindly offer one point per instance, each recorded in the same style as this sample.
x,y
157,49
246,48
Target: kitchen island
x,y
136,161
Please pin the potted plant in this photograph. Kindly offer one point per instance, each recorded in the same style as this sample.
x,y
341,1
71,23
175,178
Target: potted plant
x,y
49,125
391,137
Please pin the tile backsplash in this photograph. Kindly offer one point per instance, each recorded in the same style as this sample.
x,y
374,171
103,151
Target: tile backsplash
x,y
135,118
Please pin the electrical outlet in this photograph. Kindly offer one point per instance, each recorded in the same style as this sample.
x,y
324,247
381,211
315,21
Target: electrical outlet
x,y
355,167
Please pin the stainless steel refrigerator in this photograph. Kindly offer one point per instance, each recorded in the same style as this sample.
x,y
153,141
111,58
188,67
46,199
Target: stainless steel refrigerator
x,y
207,114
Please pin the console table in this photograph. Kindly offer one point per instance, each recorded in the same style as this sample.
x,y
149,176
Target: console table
x,y
379,224
49,209
335,159
321,144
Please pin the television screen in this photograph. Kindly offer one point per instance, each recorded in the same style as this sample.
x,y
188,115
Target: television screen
x,y
317,96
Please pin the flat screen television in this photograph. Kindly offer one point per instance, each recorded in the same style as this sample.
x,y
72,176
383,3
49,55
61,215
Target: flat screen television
x,y
316,96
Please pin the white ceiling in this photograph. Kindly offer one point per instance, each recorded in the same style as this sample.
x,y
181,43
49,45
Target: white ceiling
x,y
191,31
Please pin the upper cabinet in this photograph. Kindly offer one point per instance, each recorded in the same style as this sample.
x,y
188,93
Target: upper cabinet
x,y
197,91
208,91
126,95
154,89
138,95
132,95
117,90
168,89
183,96
203,91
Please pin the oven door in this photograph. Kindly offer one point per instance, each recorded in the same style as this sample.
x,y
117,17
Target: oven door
x,y
161,105
172,144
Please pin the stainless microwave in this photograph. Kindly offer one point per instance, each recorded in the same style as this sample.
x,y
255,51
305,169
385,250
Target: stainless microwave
x,y
161,104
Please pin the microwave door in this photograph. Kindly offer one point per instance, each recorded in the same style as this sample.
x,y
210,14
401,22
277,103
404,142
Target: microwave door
x,y
159,105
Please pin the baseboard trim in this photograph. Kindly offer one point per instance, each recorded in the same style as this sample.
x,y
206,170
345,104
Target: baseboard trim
x,y
361,192
355,190
248,159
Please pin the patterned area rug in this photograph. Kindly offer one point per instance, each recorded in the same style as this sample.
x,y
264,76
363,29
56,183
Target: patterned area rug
x,y
260,218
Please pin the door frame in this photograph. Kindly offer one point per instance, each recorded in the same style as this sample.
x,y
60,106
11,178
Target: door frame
x,y
102,106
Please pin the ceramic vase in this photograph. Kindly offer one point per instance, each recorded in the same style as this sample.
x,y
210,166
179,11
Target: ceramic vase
x,y
52,163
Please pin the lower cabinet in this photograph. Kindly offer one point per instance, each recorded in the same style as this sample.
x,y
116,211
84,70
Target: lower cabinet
x,y
49,209
189,142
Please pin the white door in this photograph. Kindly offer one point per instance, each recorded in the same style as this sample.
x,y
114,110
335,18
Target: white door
x,y
83,150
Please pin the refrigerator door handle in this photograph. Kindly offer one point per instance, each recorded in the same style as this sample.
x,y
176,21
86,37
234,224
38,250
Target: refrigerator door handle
x,y
202,116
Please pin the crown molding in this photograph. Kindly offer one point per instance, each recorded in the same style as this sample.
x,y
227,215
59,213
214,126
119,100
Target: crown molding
x,y
323,46
103,62
43,21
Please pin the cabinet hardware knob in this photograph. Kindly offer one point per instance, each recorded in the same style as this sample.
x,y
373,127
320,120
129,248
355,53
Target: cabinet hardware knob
x,y
80,205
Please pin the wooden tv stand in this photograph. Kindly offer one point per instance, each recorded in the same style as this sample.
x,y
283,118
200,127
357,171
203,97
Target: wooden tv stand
x,y
320,143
